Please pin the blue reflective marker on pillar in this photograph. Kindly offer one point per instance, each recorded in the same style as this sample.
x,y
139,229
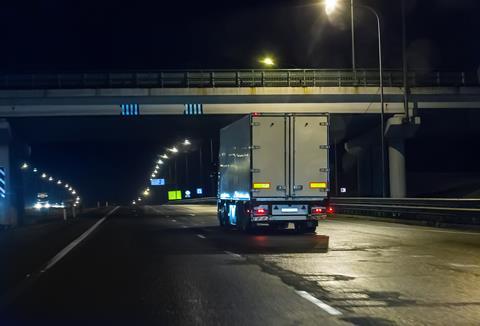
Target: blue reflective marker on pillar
x,y
3,184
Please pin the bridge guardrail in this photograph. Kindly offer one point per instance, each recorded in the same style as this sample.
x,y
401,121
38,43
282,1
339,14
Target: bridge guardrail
x,y
432,211
235,78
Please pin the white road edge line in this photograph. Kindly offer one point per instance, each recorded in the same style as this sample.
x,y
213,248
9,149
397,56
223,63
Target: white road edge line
x,y
232,254
332,311
75,242
201,236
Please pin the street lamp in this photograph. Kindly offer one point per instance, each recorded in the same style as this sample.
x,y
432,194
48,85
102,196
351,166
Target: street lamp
x,y
59,182
268,61
164,156
186,142
330,6
24,166
173,149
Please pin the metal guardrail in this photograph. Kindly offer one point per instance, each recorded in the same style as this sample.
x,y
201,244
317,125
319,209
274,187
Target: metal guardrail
x,y
234,78
433,211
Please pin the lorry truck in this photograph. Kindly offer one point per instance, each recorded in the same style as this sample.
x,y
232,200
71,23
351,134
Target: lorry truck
x,y
274,170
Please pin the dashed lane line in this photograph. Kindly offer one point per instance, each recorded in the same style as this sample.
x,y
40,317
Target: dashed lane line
x,y
201,236
232,254
322,305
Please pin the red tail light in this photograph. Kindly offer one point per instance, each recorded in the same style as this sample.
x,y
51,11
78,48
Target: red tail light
x,y
317,210
260,211
330,210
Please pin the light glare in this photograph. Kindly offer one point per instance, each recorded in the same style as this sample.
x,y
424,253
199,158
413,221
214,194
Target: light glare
x,y
330,6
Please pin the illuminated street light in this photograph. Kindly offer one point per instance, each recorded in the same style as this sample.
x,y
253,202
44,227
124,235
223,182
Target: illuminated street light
x,y
330,6
173,149
35,170
164,156
153,175
74,192
70,188
139,199
44,175
50,179
186,142
134,202
158,166
24,166
67,186
268,61
59,182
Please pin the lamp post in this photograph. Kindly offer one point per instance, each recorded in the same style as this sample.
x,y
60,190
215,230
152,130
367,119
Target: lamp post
x,y
330,7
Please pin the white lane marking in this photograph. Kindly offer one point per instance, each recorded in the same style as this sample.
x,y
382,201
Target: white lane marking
x,y
201,236
464,265
191,214
332,311
421,229
75,242
174,220
232,254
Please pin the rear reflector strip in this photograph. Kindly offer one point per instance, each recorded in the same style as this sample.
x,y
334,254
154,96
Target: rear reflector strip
x,y
264,185
318,185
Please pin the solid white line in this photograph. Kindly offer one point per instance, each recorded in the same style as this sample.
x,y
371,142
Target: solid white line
x,y
232,254
318,303
201,236
75,242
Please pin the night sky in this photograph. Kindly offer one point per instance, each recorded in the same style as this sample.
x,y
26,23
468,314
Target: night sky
x,y
109,158
118,35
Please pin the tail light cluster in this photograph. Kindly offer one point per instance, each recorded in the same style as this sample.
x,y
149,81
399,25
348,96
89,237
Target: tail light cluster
x,y
260,211
322,210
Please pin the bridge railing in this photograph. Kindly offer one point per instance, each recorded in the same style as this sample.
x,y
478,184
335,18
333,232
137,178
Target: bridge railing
x,y
430,211
235,78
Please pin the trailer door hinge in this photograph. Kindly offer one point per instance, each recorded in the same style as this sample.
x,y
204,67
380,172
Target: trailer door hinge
x,y
255,147
298,187
324,170
324,146
323,123
281,188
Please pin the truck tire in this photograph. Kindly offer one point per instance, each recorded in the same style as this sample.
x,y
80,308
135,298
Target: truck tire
x,y
221,214
244,222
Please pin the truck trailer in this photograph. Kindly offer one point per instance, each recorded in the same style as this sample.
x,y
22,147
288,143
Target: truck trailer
x,y
274,170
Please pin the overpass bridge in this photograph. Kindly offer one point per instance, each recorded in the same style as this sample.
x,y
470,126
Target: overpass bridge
x,y
232,92
238,92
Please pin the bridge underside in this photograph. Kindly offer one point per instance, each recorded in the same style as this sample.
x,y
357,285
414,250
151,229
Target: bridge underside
x,y
240,100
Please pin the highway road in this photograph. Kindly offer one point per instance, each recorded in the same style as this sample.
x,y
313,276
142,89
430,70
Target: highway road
x,y
172,265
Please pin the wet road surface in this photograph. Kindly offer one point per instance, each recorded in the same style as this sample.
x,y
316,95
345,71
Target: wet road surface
x,y
172,265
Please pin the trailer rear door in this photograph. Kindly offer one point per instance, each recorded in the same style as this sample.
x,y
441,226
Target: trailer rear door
x,y
309,162
269,156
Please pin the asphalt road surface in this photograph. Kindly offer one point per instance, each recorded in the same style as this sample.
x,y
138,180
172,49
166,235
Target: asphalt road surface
x,y
172,265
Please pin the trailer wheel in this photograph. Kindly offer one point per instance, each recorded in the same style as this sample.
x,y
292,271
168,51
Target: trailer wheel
x,y
221,215
244,222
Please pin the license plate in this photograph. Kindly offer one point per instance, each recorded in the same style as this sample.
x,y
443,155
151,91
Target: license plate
x,y
290,210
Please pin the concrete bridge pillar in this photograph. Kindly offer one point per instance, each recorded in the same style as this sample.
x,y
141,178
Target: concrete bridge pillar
x,y
396,131
8,215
